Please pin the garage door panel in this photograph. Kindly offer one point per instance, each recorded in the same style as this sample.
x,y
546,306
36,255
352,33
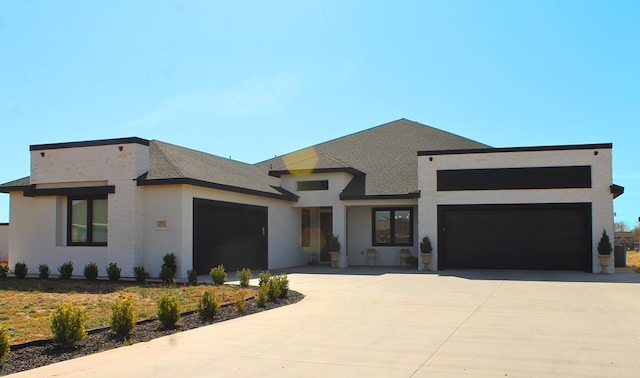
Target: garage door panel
x,y
515,237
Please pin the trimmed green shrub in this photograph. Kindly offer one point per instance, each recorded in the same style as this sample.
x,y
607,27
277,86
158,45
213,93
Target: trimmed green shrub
x,y
68,324
169,259
4,269
264,277
263,294
5,343
208,305
192,277
604,245
168,310
241,305
140,274
244,276
20,269
218,275
123,317
274,290
113,272
167,275
91,271
282,282
66,270
43,271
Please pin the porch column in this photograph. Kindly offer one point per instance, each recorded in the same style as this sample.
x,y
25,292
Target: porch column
x,y
340,229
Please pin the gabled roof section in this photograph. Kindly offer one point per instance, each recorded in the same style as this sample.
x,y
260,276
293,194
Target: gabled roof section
x,y
171,164
16,185
386,154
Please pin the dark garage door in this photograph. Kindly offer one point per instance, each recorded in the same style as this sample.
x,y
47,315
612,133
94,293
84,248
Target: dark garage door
x,y
548,236
230,234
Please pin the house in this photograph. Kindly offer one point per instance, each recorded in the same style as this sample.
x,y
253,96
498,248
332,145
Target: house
x,y
4,242
132,200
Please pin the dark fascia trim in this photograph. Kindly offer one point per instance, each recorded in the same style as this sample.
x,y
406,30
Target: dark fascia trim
x,y
568,147
285,195
616,190
17,188
4,224
351,170
32,191
379,196
89,143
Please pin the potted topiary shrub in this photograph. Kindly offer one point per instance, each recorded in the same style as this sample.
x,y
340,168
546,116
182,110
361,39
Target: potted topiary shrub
x,y
425,252
604,252
334,250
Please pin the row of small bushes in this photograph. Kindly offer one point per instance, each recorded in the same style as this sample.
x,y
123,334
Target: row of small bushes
x,y
65,270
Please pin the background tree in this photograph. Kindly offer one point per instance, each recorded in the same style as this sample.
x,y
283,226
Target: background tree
x,y
620,226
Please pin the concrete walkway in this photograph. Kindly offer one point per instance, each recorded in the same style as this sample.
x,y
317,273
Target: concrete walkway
x,y
381,323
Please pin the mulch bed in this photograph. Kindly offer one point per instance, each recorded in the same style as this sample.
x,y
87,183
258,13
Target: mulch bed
x,y
40,353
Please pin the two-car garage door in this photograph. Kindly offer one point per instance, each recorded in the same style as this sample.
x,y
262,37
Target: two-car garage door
x,y
530,236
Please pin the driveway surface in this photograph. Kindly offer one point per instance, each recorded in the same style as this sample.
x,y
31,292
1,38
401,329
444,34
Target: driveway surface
x,y
401,323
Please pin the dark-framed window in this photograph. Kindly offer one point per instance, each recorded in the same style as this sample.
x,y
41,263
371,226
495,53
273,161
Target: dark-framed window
x,y
306,228
302,186
87,220
392,226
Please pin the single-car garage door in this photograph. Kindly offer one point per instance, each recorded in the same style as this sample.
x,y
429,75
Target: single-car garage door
x,y
231,234
536,236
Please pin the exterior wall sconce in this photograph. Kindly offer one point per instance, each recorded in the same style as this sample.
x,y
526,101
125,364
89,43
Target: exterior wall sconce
x,y
41,154
120,148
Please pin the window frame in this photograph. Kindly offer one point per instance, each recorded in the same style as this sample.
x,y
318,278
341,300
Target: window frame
x,y
312,185
392,227
89,220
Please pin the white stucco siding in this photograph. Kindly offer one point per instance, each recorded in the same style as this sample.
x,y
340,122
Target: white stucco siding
x,y
4,242
599,195
313,198
174,203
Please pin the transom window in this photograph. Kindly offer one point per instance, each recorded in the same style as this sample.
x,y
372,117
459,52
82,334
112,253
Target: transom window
x,y
392,226
87,221
302,186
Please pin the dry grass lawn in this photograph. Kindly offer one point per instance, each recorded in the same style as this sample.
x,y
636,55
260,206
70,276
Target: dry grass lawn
x,y
26,304
633,259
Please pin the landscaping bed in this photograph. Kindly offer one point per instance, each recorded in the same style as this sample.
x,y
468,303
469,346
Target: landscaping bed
x,y
36,353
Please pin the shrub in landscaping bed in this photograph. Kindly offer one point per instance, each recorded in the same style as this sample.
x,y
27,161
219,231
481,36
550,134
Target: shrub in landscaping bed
x,y
66,270
4,269
168,310
43,271
263,295
218,275
91,271
208,305
192,277
68,324
264,277
113,272
123,317
241,305
244,275
140,274
167,275
20,269
5,343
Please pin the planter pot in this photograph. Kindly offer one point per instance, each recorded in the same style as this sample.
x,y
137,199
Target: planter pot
x,y
334,259
426,260
604,263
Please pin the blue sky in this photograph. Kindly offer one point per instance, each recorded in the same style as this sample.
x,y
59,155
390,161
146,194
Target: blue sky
x,y
251,80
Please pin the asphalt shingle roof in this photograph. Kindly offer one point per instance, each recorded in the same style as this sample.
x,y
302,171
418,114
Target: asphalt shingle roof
x,y
387,154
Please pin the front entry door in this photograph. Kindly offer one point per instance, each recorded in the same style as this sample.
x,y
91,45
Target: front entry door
x,y
326,230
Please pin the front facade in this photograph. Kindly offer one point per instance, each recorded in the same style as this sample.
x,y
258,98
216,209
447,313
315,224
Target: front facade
x,y
131,200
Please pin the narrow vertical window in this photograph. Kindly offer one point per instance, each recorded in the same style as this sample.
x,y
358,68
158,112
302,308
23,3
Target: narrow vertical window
x,y
306,228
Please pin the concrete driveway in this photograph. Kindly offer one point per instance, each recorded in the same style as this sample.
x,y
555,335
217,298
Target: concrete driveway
x,y
376,323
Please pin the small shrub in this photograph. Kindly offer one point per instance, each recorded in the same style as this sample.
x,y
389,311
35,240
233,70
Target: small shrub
x,y
140,274
192,277
263,294
43,271
20,269
241,305
113,271
4,269
208,305
264,277
282,282
167,275
169,259
218,275
66,270
91,271
5,343
273,289
68,324
168,310
244,276
123,317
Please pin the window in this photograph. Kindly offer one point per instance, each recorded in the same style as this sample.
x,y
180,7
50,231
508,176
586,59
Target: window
x,y
312,185
306,227
392,226
87,221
